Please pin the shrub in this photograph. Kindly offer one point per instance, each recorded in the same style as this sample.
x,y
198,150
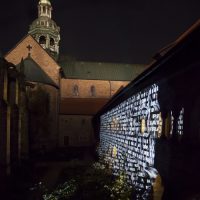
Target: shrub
x,y
62,192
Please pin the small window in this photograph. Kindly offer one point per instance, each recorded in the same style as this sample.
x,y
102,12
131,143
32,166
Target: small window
x,y
75,90
52,43
42,40
93,91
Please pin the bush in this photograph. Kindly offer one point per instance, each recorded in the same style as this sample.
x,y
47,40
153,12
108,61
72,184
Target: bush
x,y
62,192
96,182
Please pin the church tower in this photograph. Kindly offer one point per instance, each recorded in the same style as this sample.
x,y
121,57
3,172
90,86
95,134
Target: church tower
x,y
45,30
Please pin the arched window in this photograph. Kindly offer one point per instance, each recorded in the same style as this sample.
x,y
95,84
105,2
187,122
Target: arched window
x,y
52,43
42,40
75,90
93,91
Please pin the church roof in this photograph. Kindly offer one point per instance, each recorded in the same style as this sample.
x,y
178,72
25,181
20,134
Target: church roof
x,y
101,70
34,73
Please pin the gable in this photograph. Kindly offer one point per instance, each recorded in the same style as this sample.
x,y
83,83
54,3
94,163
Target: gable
x,y
38,54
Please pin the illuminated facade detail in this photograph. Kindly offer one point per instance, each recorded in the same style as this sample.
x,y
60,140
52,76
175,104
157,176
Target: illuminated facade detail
x,y
160,123
143,126
180,122
114,152
135,151
45,30
114,123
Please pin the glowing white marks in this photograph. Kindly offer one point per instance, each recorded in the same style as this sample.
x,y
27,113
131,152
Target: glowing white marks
x,y
180,122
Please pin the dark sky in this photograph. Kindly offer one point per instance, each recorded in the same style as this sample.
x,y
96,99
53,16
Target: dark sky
x,y
104,30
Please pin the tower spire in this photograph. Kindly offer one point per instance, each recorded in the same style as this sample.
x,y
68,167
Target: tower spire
x,y
44,8
45,30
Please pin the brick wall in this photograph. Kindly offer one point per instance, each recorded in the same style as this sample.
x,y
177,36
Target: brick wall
x,y
127,138
103,89
117,85
39,55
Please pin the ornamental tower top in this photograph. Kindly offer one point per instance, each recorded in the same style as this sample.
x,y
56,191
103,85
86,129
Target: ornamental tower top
x,y
44,8
45,30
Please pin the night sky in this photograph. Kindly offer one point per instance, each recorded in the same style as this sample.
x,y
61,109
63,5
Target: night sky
x,y
104,30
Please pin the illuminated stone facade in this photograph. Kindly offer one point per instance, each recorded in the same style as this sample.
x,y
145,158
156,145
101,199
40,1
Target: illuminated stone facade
x,y
131,129
150,130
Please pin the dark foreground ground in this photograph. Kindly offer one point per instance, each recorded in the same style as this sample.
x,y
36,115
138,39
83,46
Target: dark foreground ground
x,y
34,177
43,174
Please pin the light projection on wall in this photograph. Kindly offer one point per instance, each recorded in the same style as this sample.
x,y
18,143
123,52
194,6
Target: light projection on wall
x,y
114,152
129,130
172,123
160,123
180,123
143,126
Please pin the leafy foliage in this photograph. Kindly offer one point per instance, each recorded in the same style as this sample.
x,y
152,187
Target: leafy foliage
x,y
96,182
62,192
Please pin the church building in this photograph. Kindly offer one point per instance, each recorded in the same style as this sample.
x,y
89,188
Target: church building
x,y
76,89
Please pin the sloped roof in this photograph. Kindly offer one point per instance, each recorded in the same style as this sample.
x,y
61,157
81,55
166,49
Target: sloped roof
x,y
34,73
20,51
101,70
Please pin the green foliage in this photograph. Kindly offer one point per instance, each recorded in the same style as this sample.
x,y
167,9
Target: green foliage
x,y
119,190
96,182
62,192
92,182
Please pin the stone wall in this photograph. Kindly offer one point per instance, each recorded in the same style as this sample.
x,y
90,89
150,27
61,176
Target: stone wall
x,y
76,130
44,126
127,138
